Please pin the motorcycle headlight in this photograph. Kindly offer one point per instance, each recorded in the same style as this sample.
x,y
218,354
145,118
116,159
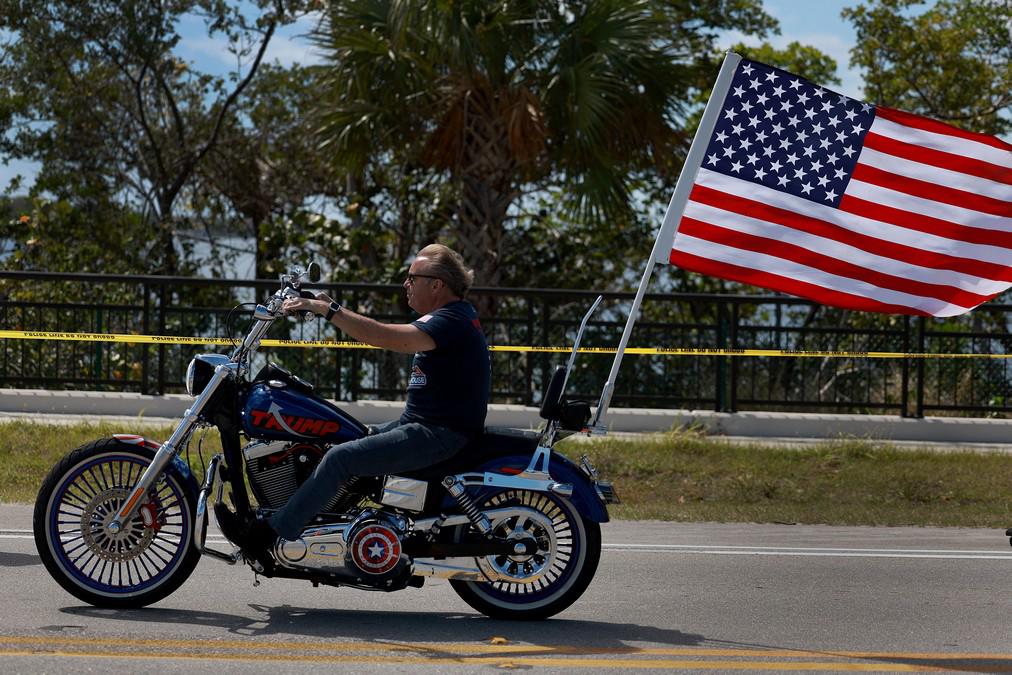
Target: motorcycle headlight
x,y
198,374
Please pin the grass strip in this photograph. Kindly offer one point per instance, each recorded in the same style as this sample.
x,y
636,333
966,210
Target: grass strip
x,y
685,476
29,450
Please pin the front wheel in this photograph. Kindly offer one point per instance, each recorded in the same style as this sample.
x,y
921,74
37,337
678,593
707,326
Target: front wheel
x,y
148,559
540,585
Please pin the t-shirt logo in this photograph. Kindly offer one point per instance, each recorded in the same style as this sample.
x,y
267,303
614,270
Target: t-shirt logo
x,y
417,378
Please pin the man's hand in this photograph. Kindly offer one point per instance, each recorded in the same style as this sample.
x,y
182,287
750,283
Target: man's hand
x,y
316,305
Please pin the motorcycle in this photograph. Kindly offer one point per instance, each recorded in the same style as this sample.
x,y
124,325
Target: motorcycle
x,y
514,525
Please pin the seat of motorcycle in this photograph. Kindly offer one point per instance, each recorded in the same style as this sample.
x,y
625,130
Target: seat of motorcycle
x,y
493,442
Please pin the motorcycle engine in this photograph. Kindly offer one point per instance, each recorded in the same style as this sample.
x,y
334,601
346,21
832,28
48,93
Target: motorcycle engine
x,y
276,469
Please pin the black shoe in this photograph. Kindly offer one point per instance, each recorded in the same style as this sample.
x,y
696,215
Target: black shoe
x,y
258,544
253,536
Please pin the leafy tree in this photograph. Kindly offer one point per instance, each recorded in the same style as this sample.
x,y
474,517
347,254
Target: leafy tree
x,y
94,93
513,101
953,61
265,179
804,60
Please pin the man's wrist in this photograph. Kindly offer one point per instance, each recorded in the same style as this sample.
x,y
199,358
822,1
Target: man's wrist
x,y
332,309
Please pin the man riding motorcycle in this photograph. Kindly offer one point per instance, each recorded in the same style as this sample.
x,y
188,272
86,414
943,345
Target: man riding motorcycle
x,y
447,392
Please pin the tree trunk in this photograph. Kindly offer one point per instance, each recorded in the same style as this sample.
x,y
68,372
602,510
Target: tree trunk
x,y
486,175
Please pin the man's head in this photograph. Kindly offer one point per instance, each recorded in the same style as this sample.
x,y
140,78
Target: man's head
x,y
437,276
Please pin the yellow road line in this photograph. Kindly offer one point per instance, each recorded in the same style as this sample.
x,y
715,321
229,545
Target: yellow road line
x,y
642,351
504,649
506,661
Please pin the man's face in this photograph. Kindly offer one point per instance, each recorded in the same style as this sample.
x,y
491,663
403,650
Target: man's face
x,y
422,286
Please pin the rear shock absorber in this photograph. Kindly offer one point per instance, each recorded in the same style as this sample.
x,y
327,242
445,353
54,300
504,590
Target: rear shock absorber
x,y
456,488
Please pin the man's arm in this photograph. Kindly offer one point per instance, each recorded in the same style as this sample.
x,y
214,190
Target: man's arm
x,y
402,338
397,337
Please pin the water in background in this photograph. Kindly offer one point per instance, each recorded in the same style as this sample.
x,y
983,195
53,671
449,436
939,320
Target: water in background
x,y
238,263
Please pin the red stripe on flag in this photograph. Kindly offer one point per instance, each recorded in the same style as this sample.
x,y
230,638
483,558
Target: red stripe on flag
x,y
820,294
835,266
882,247
932,191
938,227
925,124
937,158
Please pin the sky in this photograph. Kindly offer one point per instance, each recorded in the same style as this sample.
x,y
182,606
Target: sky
x,y
813,22
817,23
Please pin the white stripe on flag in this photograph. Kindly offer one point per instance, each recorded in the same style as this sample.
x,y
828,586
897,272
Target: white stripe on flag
x,y
934,174
841,251
927,207
797,272
956,145
858,224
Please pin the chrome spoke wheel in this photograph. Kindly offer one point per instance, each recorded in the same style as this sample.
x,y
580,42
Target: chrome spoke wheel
x,y
128,566
532,585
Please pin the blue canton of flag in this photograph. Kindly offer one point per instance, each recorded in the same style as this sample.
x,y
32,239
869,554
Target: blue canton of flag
x,y
788,134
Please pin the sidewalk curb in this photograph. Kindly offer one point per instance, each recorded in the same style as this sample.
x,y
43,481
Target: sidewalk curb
x,y
780,425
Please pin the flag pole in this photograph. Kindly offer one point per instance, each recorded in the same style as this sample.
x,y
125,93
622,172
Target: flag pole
x,y
669,226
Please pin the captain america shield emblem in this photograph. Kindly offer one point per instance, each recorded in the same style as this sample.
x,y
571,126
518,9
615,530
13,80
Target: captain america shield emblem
x,y
376,549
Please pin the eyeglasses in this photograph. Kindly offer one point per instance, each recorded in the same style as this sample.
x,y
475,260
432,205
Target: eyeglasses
x,y
411,278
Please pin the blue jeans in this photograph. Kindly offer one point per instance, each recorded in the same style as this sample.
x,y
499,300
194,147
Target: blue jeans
x,y
391,449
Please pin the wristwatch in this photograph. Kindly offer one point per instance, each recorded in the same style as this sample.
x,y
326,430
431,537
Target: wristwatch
x,y
332,310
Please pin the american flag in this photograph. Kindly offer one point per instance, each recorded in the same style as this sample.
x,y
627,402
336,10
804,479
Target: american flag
x,y
809,192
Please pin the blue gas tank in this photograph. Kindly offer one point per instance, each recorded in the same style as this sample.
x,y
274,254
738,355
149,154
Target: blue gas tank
x,y
283,407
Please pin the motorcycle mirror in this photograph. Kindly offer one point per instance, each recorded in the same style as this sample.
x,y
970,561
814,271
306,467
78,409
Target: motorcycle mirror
x,y
313,272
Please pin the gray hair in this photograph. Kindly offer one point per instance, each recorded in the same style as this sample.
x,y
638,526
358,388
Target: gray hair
x,y
449,266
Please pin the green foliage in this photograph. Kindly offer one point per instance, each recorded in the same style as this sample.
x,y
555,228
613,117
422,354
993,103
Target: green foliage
x,y
951,61
42,231
804,60
94,94
265,180
521,104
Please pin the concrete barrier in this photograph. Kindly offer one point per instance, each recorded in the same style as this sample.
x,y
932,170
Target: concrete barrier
x,y
28,402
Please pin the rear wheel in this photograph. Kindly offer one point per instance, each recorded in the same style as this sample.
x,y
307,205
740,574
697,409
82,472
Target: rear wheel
x,y
540,585
151,556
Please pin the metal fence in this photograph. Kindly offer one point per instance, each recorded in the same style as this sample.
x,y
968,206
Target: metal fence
x,y
529,317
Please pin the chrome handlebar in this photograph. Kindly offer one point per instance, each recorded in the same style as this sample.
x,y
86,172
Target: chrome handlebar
x,y
265,315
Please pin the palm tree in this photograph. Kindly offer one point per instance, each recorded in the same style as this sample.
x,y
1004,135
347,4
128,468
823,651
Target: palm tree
x,y
507,97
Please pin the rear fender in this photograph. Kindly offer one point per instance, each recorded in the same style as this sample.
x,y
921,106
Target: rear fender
x,y
562,470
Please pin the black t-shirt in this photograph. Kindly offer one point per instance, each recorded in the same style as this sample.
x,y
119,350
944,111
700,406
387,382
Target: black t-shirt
x,y
449,385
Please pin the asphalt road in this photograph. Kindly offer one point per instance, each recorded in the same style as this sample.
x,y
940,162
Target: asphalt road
x,y
676,597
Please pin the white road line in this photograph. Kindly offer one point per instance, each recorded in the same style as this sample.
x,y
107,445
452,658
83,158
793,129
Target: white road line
x,y
698,549
957,554
789,548
817,554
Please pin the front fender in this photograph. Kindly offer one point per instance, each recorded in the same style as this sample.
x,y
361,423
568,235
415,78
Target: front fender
x,y
563,470
178,466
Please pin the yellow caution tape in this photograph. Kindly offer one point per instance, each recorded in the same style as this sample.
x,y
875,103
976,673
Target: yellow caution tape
x,y
333,344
